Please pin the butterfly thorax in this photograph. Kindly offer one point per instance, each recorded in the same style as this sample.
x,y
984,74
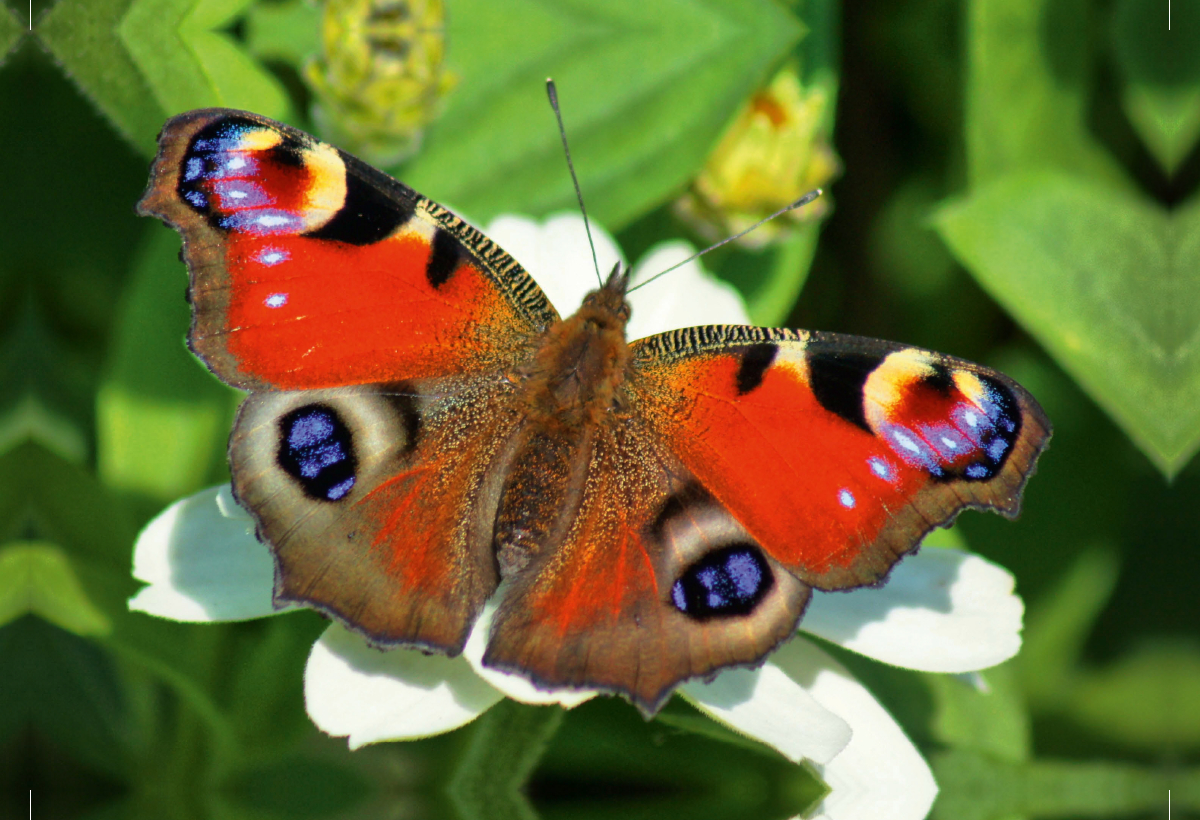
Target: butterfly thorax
x,y
575,376
569,392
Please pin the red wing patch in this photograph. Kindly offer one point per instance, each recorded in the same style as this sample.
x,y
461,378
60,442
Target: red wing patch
x,y
837,453
310,269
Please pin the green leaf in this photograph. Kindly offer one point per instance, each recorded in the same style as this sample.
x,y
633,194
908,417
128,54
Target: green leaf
x,y
508,742
69,692
45,497
81,34
162,420
1167,120
11,32
621,765
1027,90
60,503
299,787
1106,283
992,719
645,90
265,698
42,377
285,30
977,787
189,65
37,578
1150,698
771,280
1161,70
1057,626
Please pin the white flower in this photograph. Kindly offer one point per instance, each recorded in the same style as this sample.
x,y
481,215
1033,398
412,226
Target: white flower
x,y
941,610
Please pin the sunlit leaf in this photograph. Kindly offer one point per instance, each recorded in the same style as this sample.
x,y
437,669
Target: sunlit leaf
x,y
10,32
1027,89
81,34
37,579
978,787
645,90
1106,282
286,30
161,419
190,64
1150,698
985,713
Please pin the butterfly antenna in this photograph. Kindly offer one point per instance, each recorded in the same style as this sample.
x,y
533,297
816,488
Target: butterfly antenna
x,y
804,200
552,93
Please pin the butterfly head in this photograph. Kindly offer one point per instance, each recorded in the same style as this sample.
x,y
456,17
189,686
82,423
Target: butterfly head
x,y
608,306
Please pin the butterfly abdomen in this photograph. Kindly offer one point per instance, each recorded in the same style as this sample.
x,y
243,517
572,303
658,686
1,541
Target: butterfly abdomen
x,y
572,387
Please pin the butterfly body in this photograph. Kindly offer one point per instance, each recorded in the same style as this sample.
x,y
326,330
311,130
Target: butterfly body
x,y
424,432
571,392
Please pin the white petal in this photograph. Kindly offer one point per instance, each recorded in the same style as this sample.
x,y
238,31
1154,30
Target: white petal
x,y
370,696
556,254
202,565
228,506
685,297
774,706
514,686
880,775
941,610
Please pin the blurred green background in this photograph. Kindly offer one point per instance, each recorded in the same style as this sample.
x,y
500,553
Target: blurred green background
x,y
1019,187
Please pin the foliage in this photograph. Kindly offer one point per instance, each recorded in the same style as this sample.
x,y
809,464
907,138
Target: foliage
x,y
1019,188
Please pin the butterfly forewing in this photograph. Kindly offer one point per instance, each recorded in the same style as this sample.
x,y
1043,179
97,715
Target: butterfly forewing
x,y
838,453
311,269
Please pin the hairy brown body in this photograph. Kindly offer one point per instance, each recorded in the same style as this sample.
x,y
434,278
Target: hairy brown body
x,y
571,388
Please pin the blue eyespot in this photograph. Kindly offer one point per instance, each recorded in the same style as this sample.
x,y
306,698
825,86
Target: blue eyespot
x,y
316,449
731,580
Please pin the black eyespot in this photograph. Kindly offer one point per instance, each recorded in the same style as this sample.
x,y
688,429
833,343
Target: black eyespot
x,y
728,581
316,449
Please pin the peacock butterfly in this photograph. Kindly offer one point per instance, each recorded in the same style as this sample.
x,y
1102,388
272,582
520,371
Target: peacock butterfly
x,y
422,429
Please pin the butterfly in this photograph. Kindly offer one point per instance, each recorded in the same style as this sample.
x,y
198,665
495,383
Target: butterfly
x,y
423,429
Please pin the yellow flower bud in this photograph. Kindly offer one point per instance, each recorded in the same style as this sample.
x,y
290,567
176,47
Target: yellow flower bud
x,y
773,152
380,78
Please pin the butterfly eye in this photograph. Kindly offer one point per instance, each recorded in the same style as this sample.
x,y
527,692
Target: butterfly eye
x,y
316,450
728,581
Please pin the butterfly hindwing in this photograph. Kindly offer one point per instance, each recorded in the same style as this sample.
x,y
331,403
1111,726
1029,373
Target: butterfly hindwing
x,y
311,269
653,583
378,501
838,453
